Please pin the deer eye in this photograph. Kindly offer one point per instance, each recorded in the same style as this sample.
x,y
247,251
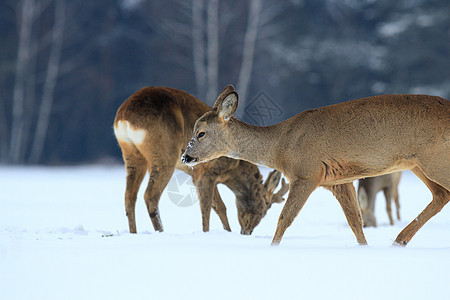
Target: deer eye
x,y
200,134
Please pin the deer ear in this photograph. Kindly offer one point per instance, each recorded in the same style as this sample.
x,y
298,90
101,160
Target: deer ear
x,y
278,196
228,106
227,102
272,181
226,91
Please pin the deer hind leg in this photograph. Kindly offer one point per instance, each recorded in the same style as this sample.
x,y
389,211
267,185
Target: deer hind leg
x,y
220,208
441,196
346,195
136,167
369,219
299,192
160,174
397,203
388,196
364,204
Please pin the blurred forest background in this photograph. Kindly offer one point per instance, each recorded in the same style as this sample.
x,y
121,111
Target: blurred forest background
x,y
67,65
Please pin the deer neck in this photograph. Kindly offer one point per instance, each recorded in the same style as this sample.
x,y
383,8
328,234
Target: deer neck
x,y
256,144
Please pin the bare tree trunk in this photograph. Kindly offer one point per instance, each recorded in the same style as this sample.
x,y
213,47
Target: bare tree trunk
x,y
23,57
198,47
248,52
213,50
3,133
30,87
49,84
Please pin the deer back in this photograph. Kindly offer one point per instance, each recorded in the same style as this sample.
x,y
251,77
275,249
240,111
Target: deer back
x,y
162,110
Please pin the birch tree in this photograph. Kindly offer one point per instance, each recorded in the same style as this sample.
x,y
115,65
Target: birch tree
x,y
248,52
38,65
198,47
206,22
25,21
213,49
49,84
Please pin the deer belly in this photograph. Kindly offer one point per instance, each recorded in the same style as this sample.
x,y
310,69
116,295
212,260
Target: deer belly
x,y
339,172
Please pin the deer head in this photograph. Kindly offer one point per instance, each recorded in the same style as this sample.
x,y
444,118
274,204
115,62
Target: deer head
x,y
211,139
253,197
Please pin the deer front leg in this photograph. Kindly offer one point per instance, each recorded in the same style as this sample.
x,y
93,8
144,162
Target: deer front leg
x,y
220,208
205,190
299,192
346,195
388,196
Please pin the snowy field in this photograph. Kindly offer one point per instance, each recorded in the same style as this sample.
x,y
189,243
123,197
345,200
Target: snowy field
x,y
64,235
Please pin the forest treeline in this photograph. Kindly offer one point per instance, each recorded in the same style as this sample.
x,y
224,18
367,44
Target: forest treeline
x,y
66,66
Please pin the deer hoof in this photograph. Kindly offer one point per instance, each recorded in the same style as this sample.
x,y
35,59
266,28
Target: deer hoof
x,y
400,243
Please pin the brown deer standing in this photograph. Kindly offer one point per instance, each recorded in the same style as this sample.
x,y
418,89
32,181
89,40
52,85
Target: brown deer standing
x,y
335,145
367,193
153,127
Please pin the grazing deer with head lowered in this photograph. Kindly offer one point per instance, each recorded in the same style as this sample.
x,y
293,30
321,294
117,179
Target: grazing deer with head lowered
x,y
334,145
367,193
153,127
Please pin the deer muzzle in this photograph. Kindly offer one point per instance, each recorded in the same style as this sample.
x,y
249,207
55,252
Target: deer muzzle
x,y
188,160
246,231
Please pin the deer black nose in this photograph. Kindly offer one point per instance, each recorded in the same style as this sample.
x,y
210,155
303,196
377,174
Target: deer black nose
x,y
187,159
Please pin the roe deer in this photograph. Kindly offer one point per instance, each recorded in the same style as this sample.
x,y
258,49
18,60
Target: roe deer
x,y
334,145
152,127
367,192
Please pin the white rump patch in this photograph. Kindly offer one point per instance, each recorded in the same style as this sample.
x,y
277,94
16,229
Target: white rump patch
x,y
126,133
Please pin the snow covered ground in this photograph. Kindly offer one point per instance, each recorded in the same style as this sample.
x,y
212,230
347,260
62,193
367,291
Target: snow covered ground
x,y
64,235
